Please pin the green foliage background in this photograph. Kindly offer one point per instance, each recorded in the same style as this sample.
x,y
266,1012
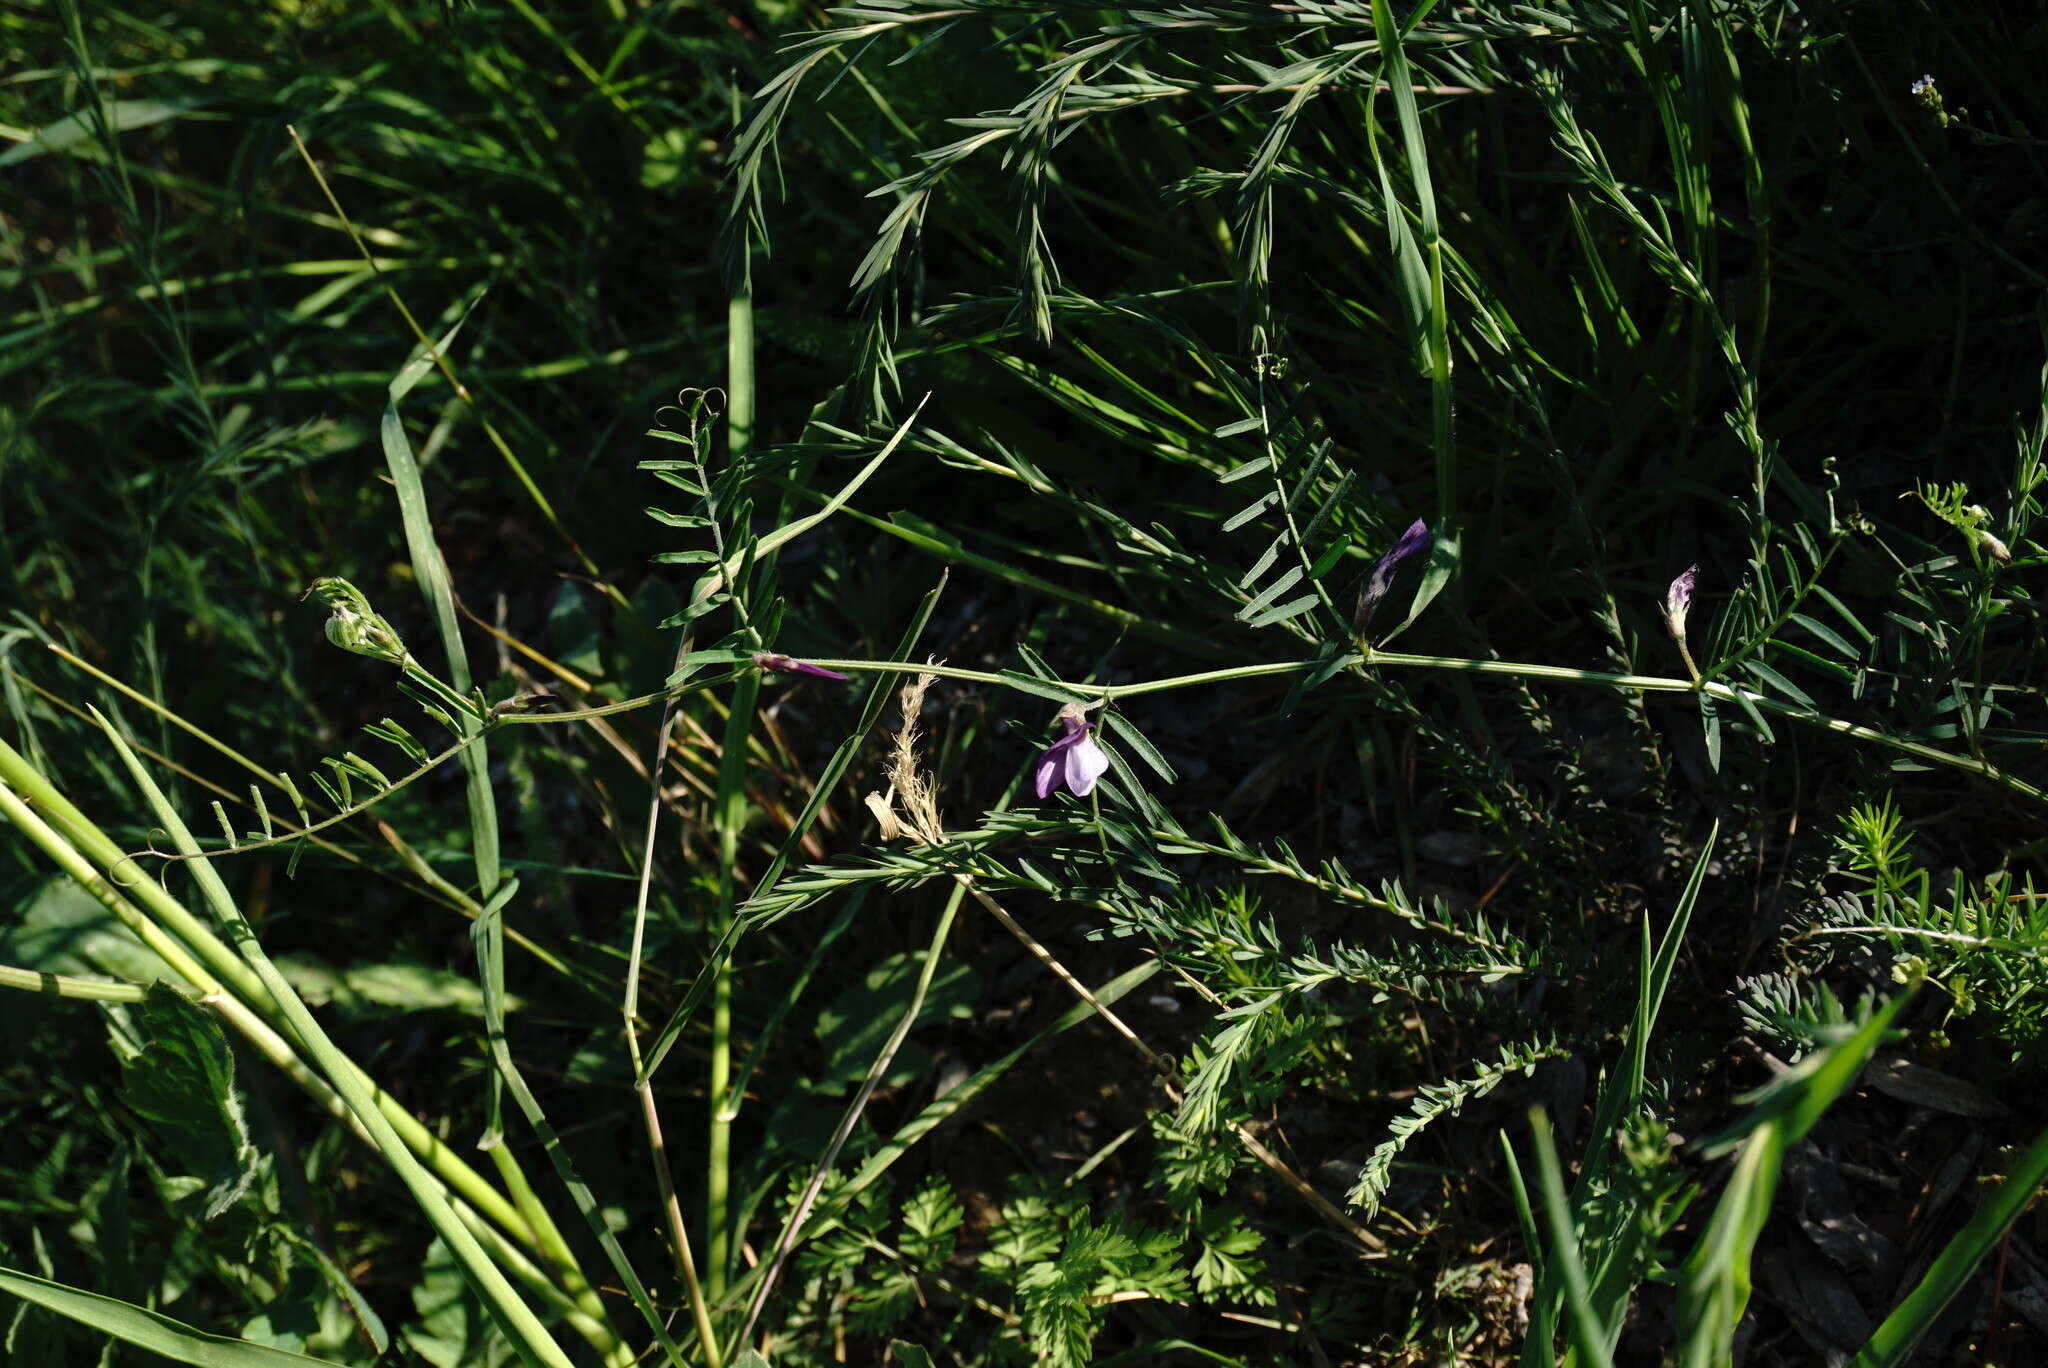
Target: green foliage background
x,y
1203,305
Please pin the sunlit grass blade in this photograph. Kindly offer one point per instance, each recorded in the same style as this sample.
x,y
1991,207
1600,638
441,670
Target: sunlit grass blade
x,y
146,1329
1894,1340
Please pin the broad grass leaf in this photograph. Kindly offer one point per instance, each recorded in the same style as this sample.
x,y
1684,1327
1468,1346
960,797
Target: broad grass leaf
x,y
146,1329
853,1028
65,930
369,990
83,127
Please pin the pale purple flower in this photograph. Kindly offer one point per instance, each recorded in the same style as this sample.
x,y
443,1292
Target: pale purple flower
x,y
1074,760
782,664
1678,601
1416,538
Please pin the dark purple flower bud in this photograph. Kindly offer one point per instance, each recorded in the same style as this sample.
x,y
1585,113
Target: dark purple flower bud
x,y
1074,760
782,664
1678,601
1416,538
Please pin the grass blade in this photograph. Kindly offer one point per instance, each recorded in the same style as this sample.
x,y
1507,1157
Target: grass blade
x,y
1893,1343
147,1329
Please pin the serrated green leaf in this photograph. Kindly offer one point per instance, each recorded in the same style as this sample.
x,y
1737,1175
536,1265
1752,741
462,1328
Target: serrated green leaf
x,y
182,1082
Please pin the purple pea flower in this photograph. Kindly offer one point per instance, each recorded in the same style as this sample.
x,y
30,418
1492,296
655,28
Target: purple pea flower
x,y
782,664
1074,760
1678,601
1416,538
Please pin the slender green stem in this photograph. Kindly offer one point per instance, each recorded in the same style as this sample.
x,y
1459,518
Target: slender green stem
x,y
1685,654
617,1353
730,811
625,705
1509,668
81,989
83,851
678,1232
739,370
730,818
66,857
792,1229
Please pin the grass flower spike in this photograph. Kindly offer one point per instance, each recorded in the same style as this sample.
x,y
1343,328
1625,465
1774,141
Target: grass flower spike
x,y
1416,538
782,664
1074,760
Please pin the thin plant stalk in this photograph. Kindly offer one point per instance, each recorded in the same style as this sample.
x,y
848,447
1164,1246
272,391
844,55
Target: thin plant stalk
x,y
1510,668
521,1326
76,846
629,1007
792,1228
730,817
731,814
